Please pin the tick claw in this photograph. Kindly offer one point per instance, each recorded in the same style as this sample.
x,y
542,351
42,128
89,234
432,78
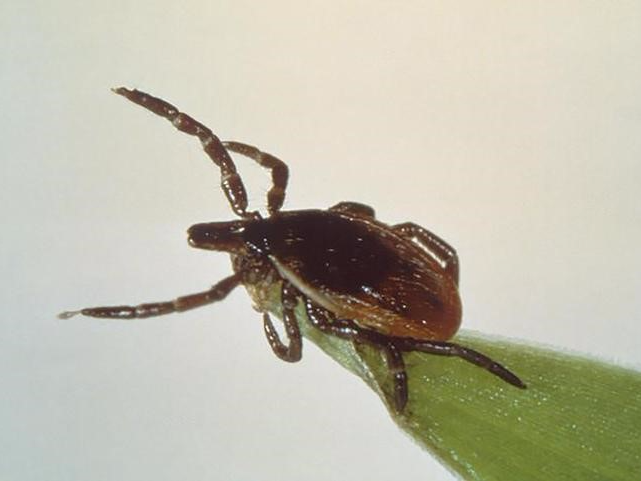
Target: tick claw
x,y
120,90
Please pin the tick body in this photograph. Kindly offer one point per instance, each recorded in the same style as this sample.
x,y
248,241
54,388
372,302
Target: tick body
x,y
394,287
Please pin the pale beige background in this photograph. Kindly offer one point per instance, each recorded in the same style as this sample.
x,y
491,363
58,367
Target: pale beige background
x,y
510,128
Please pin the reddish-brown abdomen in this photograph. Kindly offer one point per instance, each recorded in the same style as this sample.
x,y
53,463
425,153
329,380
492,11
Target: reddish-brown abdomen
x,y
423,311
361,270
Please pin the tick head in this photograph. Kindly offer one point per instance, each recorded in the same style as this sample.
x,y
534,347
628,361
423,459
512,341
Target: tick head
x,y
217,236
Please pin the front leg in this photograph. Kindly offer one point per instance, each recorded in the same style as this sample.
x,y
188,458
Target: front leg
x,y
230,181
278,168
184,303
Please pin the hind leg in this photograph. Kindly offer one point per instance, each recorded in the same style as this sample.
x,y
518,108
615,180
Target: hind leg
x,y
393,347
346,329
355,209
444,348
441,250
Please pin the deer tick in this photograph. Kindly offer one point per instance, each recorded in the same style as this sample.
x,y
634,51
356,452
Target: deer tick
x,y
394,287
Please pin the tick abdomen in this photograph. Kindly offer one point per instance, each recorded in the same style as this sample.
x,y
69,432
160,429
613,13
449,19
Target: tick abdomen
x,y
360,269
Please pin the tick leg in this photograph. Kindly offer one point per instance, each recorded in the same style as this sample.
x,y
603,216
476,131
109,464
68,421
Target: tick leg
x,y
230,181
443,348
396,365
347,329
293,351
319,319
343,328
354,208
184,303
280,172
443,252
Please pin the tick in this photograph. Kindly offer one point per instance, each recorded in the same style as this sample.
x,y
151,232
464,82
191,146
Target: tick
x,y
394,287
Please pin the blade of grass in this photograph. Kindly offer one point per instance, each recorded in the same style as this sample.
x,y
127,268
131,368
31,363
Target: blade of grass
x,y
580,418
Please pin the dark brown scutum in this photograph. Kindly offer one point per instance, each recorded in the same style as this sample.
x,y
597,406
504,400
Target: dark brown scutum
x,y
329,249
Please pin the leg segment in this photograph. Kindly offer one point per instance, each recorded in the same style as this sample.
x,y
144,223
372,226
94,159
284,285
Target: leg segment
x,y
280,172
354,208
349,330
394,346
230,182
443,348
184,303
396,365
443,252
293,351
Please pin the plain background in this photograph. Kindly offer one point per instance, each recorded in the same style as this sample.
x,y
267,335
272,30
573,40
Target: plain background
x,y
510,128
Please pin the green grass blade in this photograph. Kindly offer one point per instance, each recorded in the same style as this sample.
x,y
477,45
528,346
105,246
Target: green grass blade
x,y
579,419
